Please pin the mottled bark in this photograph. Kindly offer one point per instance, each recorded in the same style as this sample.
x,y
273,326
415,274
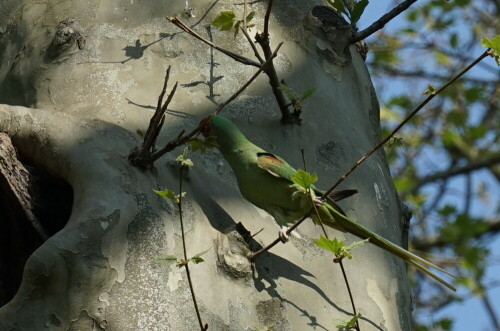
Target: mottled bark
x,y
79,107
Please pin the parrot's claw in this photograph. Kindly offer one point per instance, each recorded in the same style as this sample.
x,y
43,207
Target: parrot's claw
x,y
283,235
318,201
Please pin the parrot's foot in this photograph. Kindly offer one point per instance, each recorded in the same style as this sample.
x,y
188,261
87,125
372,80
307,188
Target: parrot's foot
x,y
283,235
318,201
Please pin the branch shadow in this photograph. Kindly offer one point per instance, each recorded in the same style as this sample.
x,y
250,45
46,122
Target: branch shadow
x,y
168,111
212,78
267,268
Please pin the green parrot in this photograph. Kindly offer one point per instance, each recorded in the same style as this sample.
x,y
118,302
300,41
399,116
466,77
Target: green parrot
x,y
265,180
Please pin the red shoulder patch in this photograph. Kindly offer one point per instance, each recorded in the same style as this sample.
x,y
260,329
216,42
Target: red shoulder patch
x,y
273,159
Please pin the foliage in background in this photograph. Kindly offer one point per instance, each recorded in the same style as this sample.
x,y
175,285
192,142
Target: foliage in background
x,y
446,164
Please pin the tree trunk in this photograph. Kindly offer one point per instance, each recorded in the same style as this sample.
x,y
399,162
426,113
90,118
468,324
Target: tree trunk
x,y
79,78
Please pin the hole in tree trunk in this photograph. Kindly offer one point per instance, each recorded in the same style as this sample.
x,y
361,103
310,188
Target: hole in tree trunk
x,y
51,201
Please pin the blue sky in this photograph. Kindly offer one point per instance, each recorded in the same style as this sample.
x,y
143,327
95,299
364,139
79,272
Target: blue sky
x,y
470,314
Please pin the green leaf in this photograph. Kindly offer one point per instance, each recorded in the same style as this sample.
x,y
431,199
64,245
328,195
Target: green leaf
x,y
477,132
402,101
202,144
307,93
444,324
474,93
450,139
185,162
267,328
493,43
289,92
447,210
457,117
359,8
347,325
412,15
338,5
250,16
404,183
430,90
182,156
395,141
356,244
197,258
464,228
224,21
454,40
166,194
304,179
167,259
333,246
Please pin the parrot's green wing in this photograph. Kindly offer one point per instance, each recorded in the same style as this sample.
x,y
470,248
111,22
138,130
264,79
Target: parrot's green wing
x,y
275,165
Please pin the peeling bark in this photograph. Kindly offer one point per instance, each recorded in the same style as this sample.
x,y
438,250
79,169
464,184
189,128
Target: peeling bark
x,y
100,270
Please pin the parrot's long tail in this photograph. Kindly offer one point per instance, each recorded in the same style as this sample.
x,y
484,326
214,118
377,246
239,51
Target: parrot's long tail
x,y
360,231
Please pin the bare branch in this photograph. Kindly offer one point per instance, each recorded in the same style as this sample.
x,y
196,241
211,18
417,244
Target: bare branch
x,y
263,40
182,139
486,163
381,22
142,157
424,74
491,228
267,17
232,55
409,117
488,306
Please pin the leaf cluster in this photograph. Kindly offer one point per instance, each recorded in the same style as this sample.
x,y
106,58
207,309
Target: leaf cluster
x,y
450,151
347,325
351,8
227,21
169,259
295,98
339,248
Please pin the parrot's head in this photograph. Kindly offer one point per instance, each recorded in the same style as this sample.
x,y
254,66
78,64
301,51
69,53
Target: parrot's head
x,y
226,134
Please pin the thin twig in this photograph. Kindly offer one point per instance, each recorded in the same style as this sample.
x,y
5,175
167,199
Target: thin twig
x,y
181,139
267,17
491,227
491,310
245,33
382,21
486,163
141,157
263,40
337,260
179,205
410,116
252,44
254,255
232,55
268,61
364,157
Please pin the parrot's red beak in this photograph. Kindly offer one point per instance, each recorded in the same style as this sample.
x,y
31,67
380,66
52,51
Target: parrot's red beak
x,y
205,126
